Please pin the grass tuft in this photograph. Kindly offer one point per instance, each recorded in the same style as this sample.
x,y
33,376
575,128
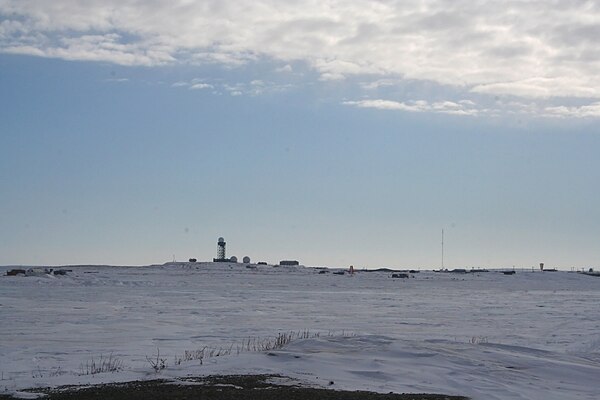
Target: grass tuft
x,y
103,364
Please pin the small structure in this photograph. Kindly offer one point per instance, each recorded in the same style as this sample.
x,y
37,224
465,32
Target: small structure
x,y
15,272
400,275
193,260
38,271
246,260
591,272
477,270
289,262
233,259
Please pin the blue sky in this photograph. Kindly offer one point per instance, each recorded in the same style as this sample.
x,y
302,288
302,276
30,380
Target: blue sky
x,y
127,141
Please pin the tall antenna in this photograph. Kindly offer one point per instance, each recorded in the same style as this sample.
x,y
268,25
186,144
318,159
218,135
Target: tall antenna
x,y
442,248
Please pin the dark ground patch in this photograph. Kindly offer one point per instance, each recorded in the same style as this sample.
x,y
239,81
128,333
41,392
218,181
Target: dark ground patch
x,y
230,387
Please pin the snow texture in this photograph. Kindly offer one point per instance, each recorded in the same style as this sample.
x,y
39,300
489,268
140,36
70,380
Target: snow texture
x,y
532,335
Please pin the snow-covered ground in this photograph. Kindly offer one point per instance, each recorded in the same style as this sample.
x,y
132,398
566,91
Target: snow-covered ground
x,y
531,335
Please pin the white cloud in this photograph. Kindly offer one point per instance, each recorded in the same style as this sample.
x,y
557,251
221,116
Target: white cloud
x,y
286,68
107,47
470,108
379,83
444,107
386,105
340,69
197,86
587,111
180,84
255,87
25,50
535,49
540,87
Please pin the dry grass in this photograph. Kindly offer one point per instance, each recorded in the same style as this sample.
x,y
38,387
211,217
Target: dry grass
x,y
100,365
250,345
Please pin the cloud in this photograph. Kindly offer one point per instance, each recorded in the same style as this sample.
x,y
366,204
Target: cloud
x,y
586,111
444,107
286,68
380,83
527,49
340,69
388,105
106,47
470,108
255,87
120,80
180,84
542,88
197,86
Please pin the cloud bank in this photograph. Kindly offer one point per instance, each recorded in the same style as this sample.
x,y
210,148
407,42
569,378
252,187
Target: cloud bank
x,y
527,49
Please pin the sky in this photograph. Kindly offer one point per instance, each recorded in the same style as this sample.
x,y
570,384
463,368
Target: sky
x,y
331,132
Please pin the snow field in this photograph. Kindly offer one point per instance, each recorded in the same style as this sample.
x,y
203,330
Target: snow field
x,y
487,335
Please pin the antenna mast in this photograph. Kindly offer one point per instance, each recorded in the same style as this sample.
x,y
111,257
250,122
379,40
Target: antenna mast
x,y
442,249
